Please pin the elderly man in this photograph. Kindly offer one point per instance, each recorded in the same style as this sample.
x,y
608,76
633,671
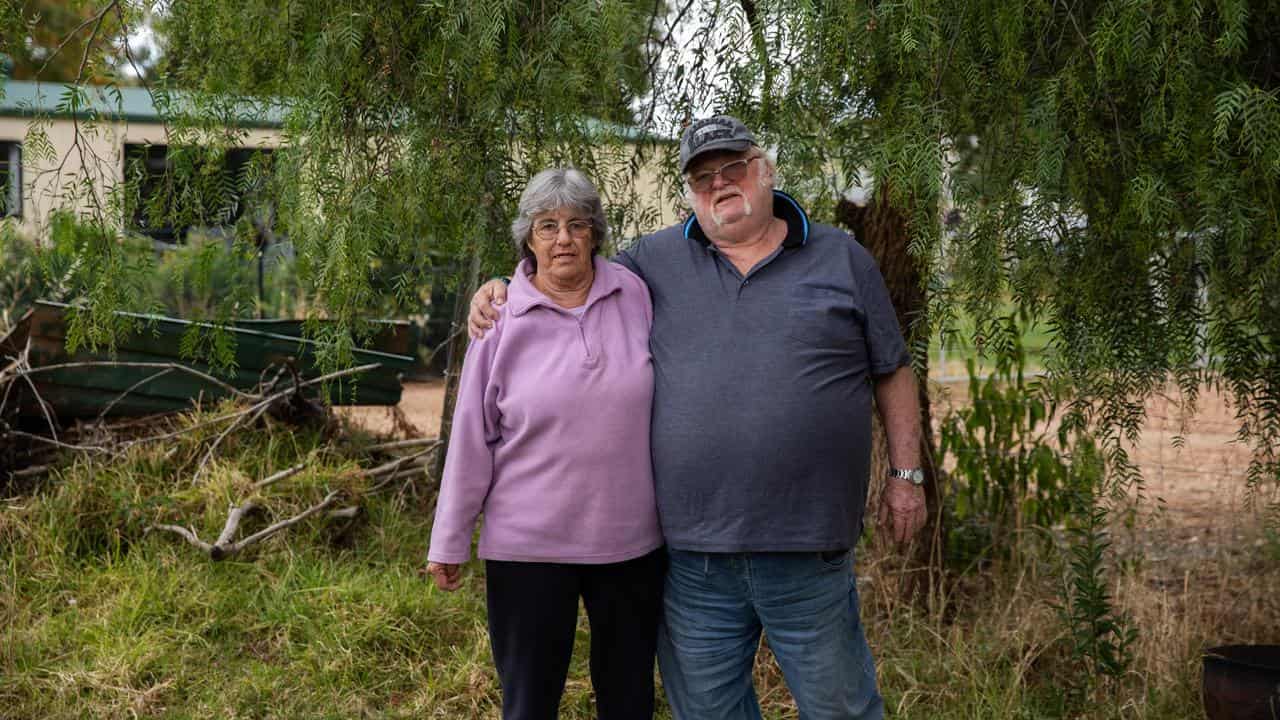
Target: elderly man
x,y
770,336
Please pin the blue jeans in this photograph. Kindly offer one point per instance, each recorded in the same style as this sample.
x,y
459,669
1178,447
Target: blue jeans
x,y
714,608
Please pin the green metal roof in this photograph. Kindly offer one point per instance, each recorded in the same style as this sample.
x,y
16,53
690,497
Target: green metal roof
x,y
20,98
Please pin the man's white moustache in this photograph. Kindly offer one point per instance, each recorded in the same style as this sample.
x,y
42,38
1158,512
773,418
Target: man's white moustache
x,y
746,211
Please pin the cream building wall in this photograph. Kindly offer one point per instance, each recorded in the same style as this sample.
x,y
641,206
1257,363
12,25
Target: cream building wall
x,y
59,182
82,161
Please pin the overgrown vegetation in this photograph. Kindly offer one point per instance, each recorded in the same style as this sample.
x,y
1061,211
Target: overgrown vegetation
x,y
1013,477
99,618
1113,167
102,618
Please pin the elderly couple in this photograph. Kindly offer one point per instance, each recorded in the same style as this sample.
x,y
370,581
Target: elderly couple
x,y
680,437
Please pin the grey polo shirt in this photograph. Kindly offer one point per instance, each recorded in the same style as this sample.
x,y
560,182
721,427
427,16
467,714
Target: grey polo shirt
x,y
761,429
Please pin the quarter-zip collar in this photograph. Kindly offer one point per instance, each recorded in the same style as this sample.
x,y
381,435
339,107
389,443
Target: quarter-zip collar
x,y
522,296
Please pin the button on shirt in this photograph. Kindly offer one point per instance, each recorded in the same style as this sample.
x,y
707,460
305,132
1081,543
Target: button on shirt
x,y
761,429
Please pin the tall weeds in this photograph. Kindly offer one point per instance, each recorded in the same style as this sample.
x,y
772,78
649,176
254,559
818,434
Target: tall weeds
x,y
100,619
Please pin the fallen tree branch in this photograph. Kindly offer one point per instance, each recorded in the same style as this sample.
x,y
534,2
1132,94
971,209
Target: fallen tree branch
x,y
267,532
29,471
339,374
255,410
223,548
56,443
416,470
235,514
130,389
24,372
208,456
277,477
8,387
252,408
402,444
394,465
185,533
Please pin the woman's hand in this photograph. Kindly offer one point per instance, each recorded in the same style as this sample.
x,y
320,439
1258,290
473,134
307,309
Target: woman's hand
x,y
484,309
448,576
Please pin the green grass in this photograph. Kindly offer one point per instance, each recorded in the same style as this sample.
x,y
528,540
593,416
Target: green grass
x,y
100,620
965,344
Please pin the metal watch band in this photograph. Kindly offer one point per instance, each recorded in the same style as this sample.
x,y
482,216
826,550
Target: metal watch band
x,y
915,476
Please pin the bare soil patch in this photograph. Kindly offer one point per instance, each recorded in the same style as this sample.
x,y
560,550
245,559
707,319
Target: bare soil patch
x,y
420,404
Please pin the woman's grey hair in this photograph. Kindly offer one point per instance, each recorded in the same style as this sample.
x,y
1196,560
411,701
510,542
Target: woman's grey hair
x,y
551,190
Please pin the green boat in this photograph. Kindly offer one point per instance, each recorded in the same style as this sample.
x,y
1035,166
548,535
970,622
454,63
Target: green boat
x,y
134,385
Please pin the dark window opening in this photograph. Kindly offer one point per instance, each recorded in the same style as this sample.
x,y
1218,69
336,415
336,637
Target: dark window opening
x,y
10,179
175,189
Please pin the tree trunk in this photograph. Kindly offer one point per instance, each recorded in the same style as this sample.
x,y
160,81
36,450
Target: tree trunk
x,y
456,349
882,230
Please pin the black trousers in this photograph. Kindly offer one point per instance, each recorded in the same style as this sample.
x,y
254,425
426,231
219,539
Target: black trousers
x,y
533,617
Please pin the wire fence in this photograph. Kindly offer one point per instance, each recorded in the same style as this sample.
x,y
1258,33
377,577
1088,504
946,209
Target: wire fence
x,y
1194,465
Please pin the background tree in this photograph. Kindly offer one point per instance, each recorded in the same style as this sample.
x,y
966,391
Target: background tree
x,y
410,129
1113,165
70,41
1108,168
414,127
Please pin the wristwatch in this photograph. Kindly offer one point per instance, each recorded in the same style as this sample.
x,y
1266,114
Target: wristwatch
x,y
915,476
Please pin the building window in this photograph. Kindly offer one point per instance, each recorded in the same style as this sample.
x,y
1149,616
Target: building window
x,y
10,179
173,190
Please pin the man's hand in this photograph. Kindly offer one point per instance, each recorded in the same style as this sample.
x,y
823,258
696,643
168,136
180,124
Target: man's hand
x,y
902,509
448,576
484,309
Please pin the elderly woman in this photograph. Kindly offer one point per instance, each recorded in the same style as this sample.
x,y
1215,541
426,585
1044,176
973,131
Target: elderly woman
x,y
551,443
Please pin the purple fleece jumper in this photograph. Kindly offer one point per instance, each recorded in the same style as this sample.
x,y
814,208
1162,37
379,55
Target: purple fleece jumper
x,y
551,431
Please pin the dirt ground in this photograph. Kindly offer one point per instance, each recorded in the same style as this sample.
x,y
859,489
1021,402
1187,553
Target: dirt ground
x,y
1194,488
420,403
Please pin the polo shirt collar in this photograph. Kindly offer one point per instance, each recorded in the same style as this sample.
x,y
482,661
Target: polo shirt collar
x,y
522,296
784,206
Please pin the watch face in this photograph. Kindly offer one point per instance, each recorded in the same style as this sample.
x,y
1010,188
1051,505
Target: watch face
x,y
915,476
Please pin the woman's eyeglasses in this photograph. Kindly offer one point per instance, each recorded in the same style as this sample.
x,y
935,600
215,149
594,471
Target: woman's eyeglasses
x,y
550,229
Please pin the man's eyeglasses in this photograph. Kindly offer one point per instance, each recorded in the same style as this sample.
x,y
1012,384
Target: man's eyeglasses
x,y
730,171
550,229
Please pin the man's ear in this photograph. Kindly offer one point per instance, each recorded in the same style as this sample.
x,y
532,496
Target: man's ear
x,y
767,178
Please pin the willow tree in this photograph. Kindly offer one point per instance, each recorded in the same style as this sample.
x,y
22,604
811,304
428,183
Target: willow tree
x,y
411,126
1115,165
409,129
